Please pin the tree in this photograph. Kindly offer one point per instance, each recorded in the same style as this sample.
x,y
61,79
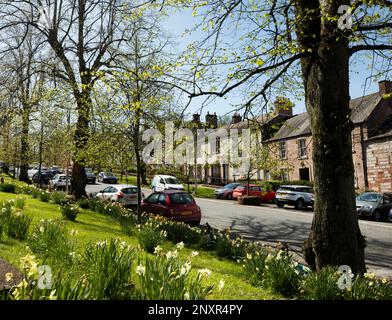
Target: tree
x,y
279,44
85,36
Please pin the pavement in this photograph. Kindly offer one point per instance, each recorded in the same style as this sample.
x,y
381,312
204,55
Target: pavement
x,y
270,224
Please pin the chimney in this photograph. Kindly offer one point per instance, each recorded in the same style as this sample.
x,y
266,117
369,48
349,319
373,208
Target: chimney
x,y
283,106
236,118
211,120
196,118
385,87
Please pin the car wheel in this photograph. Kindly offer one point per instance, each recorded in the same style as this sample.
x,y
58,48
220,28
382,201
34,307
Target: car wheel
x,y
229,196
280,204
377,215
300,204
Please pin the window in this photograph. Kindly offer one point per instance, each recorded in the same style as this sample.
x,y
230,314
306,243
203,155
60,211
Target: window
x,y
129,190
218,145
162,199
181,198
302,148
284,175
282,150
153,198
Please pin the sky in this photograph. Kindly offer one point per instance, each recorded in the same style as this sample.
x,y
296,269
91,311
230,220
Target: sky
x,y
175,25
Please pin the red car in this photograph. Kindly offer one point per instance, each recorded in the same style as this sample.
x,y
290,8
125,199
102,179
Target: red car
x,y
176,205
254,190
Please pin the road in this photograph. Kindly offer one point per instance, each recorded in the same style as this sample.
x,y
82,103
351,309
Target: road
x,y
270,224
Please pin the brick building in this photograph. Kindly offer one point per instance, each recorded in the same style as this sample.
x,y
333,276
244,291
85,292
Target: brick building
x,y
371,139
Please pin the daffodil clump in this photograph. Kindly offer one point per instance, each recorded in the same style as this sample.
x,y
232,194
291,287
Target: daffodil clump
x,y
164,276
13,222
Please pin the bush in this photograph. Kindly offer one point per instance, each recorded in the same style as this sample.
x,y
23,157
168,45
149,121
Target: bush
x,y
280,274
249,201
369,287
18,225
84,203
58,197
165,277
274,185
322,285
50,240
179,231
254,265
7,187
149,237
69,211
230,248
127,223
44,196
108,266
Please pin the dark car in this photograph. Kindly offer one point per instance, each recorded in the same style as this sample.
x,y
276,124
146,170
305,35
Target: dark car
x,y
43,178
107,177
90,175
374,205
227,191
173,204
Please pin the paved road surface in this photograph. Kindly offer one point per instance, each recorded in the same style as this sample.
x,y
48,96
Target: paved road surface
x,y
270,224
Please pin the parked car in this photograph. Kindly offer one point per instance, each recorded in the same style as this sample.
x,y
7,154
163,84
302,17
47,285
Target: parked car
x,y
42,178
90,175
173,204
165,182
59,182
227,191
56,170
254,190
374,205
298,196
390,216
107,177
124,194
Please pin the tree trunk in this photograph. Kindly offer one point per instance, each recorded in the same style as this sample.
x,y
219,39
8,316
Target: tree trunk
x,y
335,237
82,134
24,150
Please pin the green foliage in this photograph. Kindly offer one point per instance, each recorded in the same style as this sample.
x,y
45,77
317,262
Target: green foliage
x,y
128,223
254,265
7,187
165,277
275,184
50,239
84,203
280,274
18,225
369,287
322,285
20,203
44,196
149,237
226,247
69,212
58,197
109,266
179,231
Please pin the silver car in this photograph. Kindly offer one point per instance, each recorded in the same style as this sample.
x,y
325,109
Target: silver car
x,y
298,196
123,193
59,182
374,205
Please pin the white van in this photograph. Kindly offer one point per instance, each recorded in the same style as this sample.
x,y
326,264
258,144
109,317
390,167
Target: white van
x,y
163,182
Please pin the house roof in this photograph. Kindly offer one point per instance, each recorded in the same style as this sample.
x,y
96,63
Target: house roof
x,y
382,136
299,125
259,120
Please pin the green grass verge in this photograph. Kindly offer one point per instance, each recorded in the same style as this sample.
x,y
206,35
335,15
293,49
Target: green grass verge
x,y
91,226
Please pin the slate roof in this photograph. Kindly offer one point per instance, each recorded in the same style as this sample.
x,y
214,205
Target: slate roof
x,y
299,125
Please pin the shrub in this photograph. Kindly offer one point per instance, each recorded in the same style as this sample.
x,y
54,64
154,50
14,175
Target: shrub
x,y
165,277
84,203
7,187
179,231
20,203
369,287
50,240
249,200
254,265
58,197
108,266
230,248
127,223
322,285
18,225
44,196
69,211
149,237
280,274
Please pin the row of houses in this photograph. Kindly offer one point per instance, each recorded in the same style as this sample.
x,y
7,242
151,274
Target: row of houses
x,y
371,116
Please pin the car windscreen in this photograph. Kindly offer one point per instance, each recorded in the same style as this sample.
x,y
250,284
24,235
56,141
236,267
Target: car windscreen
x,y
181,198
172,181
231,186
369,197
130,190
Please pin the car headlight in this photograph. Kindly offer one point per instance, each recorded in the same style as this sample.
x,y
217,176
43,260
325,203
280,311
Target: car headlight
x,y
367,208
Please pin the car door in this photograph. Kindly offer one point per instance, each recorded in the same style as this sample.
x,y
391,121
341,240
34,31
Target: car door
x,y
386,205
161,184
254,191
161,206
149,205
